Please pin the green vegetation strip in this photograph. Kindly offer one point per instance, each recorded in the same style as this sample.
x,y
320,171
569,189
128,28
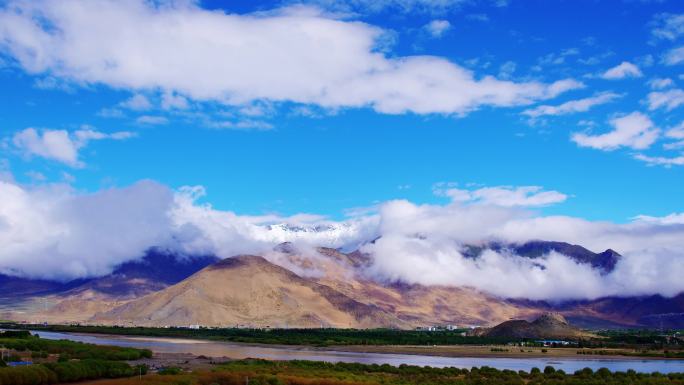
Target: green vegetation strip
x,y
260,372
71,361
64,372
313,337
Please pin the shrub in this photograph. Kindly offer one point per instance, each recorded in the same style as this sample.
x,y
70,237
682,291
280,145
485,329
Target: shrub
x,y
170,371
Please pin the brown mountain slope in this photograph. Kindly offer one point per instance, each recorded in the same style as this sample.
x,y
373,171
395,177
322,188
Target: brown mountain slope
x,y
417,305
249,290
548,326
435,305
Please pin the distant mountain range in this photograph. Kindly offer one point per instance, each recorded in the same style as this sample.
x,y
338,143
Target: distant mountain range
x,y
604,261
164,288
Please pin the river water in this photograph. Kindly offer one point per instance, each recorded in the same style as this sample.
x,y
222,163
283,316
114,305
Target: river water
x,y
238,351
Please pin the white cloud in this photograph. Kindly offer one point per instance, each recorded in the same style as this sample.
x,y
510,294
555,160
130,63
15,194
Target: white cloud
x,y
668,26
660,83
674,56
579,105
55,232
60,145
671,219
421,244
437,28
661,160
505,196
152,120
668,100
110,113
171,101
676,132
622,70
137,102
297,54
635,131
674,145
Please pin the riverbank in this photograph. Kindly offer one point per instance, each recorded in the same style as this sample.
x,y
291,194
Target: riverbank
x,y
449,356
492,351
453,351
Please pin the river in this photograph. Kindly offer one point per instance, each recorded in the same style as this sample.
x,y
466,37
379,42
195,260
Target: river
x,y
238,351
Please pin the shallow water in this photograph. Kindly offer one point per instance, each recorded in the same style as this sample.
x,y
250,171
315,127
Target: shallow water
x,y
237,351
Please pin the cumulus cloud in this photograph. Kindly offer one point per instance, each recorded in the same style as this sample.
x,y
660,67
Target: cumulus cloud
x,y
61,145
668,100
57,232
53,232
421,244
622,70
437,28
505,196
579,105
634,131
297,54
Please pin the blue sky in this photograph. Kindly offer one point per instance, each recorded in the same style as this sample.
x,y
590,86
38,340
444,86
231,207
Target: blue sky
x,y
274,146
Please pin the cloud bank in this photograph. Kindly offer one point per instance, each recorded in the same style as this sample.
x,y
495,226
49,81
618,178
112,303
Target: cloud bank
x,y
298,54
52,231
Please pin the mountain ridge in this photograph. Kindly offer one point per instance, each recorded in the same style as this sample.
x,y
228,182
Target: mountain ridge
x,y
332,279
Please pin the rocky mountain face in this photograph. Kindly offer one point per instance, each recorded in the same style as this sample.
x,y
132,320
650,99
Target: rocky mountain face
x,y
323,287
604,261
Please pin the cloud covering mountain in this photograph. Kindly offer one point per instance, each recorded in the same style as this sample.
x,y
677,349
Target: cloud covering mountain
x,y
55,232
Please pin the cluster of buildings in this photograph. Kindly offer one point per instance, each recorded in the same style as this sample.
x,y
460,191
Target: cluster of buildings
x,y
438,328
